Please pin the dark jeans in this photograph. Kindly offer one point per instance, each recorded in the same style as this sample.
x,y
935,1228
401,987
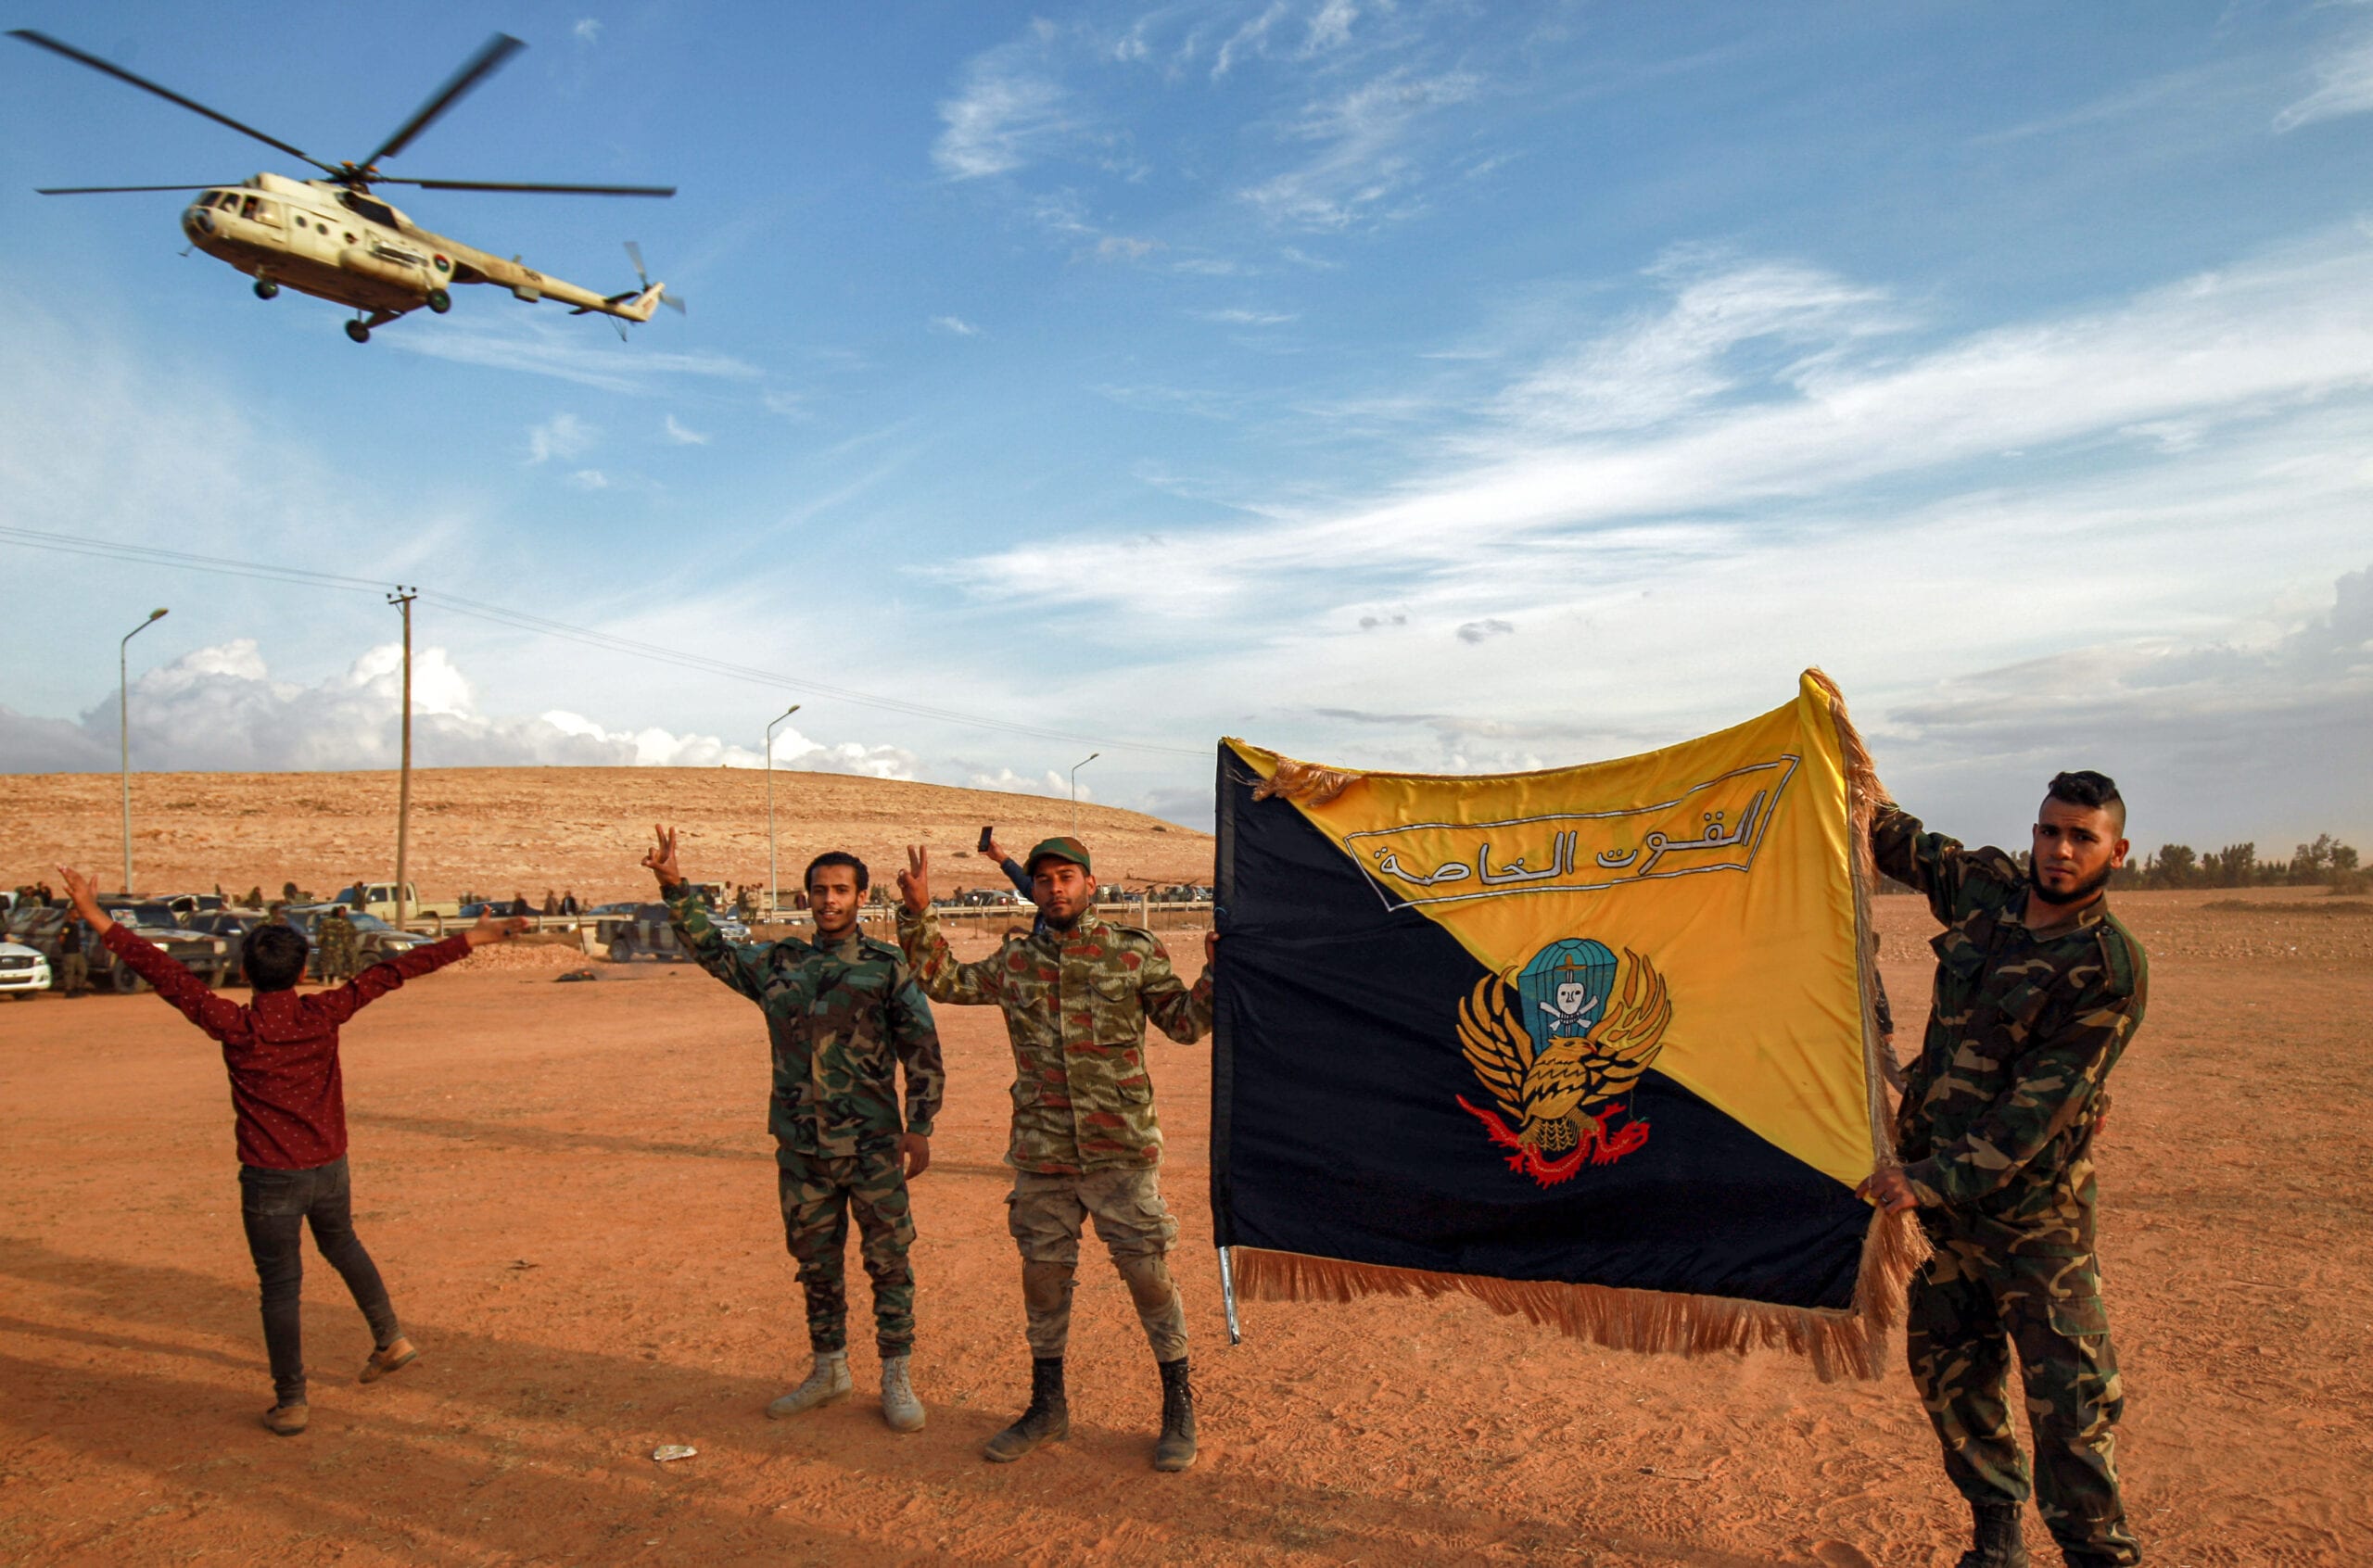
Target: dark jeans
x,y
274,1205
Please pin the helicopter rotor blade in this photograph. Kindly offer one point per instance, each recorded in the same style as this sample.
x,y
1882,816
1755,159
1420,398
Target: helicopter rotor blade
x,y
106,190
43,40
485,63
510,185
634,254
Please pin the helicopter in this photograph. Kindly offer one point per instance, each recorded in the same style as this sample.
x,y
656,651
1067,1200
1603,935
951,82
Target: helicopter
x,y
331,238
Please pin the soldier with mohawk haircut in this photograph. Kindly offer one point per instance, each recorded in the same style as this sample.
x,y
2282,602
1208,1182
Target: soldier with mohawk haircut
x,y
2038,990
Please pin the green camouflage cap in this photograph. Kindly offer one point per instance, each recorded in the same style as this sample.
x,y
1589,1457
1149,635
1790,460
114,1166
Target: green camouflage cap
x,y
1058,849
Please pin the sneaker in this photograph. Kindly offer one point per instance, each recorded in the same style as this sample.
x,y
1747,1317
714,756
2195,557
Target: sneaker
x,y
392,1358
285,1421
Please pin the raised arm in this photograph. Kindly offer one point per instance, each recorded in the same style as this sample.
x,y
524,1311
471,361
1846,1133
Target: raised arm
x,y
1932,863
936,969
690,917
389,974
218,1016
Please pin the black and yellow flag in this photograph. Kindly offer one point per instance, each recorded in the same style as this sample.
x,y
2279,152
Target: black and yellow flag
x,y
1594,1044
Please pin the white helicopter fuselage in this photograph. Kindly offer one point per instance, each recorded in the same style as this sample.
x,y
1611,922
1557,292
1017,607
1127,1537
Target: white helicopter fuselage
x,y
321,238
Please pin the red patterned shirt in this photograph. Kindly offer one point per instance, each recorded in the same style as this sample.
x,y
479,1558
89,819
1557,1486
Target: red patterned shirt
x,y
281,1048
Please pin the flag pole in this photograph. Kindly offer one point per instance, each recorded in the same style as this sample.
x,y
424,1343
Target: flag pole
x,y
1227,1297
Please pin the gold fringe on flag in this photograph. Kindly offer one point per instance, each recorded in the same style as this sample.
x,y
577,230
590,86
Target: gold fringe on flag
x,y
1304,782
1839,1343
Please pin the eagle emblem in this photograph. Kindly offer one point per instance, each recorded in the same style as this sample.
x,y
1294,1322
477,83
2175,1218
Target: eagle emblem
x,y
1559,1046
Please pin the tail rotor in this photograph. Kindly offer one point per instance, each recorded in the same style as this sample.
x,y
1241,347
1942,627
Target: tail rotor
x,y
634,254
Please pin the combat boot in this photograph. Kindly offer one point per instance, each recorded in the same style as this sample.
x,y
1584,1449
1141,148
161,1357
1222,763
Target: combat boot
x,y
1175,1449
1048,1419
899,1406
827,1381
1995,1542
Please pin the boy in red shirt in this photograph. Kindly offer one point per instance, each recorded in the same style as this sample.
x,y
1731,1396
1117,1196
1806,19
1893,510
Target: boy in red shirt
x,y
282,1051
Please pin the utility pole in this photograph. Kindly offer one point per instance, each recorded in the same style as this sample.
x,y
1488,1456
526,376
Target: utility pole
x,y
123,718
1075,767
773,881
402,599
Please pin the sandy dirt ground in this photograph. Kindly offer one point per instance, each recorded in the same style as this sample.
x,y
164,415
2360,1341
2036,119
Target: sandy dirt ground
x,y
501,830
568,1189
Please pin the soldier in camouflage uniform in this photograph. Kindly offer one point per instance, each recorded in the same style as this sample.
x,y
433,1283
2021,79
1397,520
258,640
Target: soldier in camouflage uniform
x,y
2038,989
1076,994
336,938
845,1015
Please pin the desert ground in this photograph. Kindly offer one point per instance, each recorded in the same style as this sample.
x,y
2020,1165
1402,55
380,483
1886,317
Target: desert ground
x,y
568,1189
501,830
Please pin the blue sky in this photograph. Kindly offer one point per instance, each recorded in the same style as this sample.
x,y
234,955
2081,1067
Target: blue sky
x,y
1448,387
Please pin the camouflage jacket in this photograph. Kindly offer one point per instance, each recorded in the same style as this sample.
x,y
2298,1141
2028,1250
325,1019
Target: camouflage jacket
x,y
1075,1007
843,1020
1998,1111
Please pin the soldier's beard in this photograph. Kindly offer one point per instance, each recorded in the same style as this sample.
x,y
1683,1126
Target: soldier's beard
x,y
1062,922
2078,894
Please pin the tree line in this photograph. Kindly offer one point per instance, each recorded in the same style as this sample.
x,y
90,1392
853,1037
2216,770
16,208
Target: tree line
x,y
2326,862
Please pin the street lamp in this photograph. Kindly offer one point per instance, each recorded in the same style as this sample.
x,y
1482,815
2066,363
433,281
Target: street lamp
x,y
773,880
123,723
1075,767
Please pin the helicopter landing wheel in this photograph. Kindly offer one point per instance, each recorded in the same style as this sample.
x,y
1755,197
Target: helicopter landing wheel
x,y
358,332
266,288
439,302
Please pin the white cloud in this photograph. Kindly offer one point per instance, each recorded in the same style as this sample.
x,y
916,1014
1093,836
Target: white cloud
x,y
1010,782
957,325
1124,247
219,709
587,31
566,352
1007,112
1364,160
1331,27
2343,86
1252,36
590,479
1240,316
680,436
2272,720
1484,630
563,436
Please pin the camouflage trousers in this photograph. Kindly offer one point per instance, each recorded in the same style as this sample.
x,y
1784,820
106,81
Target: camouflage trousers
x,y
1968,1307
819,1192
1046,1215
337,963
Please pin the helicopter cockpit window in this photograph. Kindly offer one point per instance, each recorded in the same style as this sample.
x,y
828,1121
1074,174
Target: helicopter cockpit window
x,y
364,207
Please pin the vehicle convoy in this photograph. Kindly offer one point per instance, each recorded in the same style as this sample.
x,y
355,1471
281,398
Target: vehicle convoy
x,y
331,238
201,952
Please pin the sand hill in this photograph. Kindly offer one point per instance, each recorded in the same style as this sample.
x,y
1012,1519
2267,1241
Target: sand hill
x,y
504,829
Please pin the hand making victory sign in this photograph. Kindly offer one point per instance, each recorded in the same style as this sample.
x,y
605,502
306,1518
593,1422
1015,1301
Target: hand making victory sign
x,y
914,883
661,861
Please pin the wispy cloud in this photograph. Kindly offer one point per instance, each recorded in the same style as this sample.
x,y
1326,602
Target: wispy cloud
x,y
588,31
956,325
1365,159
2343,86
590,479
566,352
563,436
676,432
1009,109
1245,316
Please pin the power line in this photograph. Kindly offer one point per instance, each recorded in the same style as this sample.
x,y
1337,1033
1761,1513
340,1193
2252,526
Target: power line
x,y
543,626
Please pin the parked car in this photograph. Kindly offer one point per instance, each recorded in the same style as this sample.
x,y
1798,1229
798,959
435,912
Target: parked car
x,y
23,971
233,928
644,928
377,898
374,938
198,952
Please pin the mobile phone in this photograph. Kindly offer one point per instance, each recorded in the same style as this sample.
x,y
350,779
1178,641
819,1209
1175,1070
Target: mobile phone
x,y
987,834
